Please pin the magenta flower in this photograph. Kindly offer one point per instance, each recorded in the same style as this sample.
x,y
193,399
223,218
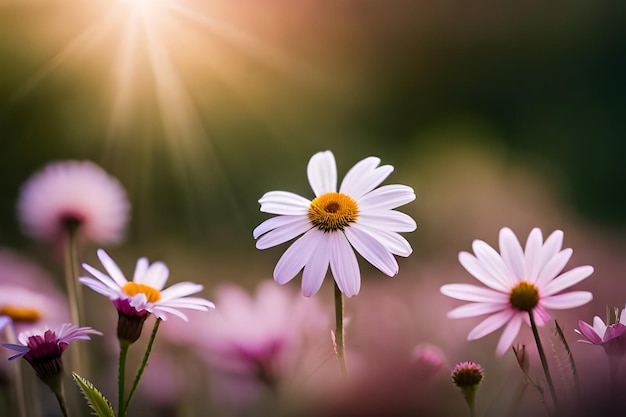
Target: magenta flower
x,y
43,349
73,193
519,282
611,337
334,224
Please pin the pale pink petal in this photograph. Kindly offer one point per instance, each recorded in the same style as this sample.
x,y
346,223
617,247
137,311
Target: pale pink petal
x,y
277,222
567,280
364,176
599,326
156,276
284,233
180,289
100,287
162,311
475,309
112,268
105,279
552,246
532,262
389,220
493,263
387,197
295,257
509,334
372,250
317,265
475,267
512,253
589,332
553,267
344,265
491,324
322,173
567,300
394,243
284,203
140,269
468,292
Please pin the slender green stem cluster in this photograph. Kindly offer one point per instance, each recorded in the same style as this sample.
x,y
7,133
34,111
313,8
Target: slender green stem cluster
x,y
339,342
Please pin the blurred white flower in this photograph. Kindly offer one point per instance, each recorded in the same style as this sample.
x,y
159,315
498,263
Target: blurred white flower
x,y
359,216
73,193
521,282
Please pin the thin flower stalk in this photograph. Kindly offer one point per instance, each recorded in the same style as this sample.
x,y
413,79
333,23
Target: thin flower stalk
x,y
544,362
142,368
339,339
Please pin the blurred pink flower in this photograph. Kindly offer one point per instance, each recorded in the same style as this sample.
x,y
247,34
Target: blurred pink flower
x,y
520,282
145,293
359,216
427,360
610,336
73,193
252,342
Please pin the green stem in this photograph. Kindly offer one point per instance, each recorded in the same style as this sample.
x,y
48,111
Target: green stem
x,y
339,342
61,399
544,362
142,368
121,372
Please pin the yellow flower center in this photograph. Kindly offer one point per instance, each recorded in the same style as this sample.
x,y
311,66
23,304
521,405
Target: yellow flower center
x,y
20,314
524,296
333,211
133,288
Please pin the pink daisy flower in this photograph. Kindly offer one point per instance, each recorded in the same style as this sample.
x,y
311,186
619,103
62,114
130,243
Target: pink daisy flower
x,y
73,193
610,336
520,281
43,349
333,224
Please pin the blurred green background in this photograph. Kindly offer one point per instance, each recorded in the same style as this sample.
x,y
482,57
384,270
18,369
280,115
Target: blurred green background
x,y
201,108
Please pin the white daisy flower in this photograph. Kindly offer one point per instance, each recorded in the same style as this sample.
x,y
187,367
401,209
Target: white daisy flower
x,y
74,193
145,293
520,282
358,216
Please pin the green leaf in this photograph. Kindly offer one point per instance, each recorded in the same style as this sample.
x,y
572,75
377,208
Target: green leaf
x,y
98,403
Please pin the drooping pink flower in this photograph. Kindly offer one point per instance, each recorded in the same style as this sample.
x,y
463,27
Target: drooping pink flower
x,y
358,217
520,281
612,337
73,193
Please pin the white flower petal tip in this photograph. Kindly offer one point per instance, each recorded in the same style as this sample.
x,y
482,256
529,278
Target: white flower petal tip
x,y
69,193
518,282
333,225
145,292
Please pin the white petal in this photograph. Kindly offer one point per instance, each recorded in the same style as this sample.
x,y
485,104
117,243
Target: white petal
x,y
344,265
372,250
322,173
194,303
317,265
181,289
474,309
100,287
467,292
599,326
364,176
395,243
512,253
105,279
567,300
160,311
508,335
475,267
156,276
140,269
551,247
275,223
532,262
284,203
490,324
390,220
492,263
553,267
295,257
566,280
112,268
387,197
284,233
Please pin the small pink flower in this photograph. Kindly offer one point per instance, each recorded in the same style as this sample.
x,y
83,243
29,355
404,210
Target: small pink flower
x,y
520,282
73,193
612,337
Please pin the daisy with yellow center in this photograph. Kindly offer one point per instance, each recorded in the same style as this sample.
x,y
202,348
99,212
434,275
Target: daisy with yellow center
x,y
145,293
520,283
359,216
